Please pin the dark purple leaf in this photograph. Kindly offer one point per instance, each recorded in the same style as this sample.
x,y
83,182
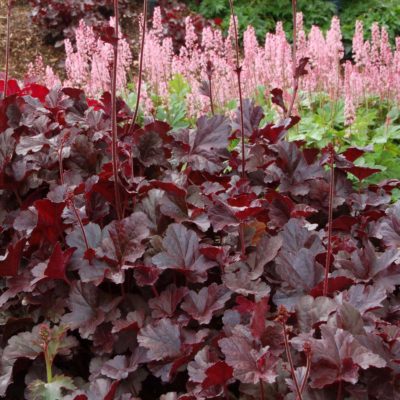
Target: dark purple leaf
x,y
89,308
252,116
181,252
9,262
338,356
167,302
162,339
250,365
201,148
202,306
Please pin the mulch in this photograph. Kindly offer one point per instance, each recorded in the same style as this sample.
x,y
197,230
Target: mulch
x,y
27,42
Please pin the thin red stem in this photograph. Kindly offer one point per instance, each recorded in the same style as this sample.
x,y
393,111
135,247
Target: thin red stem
x,y
242,240
114,126
211,95
289,357
241,123
339,395
80,224
294,60
140,66
77,216
308,367
8,33
262,394
330,219
155,291
238,73
226,392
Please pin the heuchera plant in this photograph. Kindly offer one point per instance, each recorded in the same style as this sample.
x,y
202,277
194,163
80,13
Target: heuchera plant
x,y
162,303
179,269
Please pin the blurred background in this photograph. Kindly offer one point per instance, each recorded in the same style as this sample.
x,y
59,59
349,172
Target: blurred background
x,y
40,26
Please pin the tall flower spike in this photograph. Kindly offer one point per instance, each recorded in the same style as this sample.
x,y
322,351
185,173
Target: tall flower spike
x,y
114,126
8,33
139,85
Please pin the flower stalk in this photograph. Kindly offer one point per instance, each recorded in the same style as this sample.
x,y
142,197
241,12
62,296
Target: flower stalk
x,y
114,126
139,87
294,61
282,319
331,151
238,71
8,34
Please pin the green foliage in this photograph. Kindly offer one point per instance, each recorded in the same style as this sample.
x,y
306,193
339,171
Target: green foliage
x,y
175,111
263,15
39,390
377,126
384,12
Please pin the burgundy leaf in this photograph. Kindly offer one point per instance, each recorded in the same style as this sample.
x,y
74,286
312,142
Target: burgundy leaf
x,y
146,275
58,262
266,251
89,308
311,312
204,88
167,302
238,278
162,339
9,262
388,229
201,147
353,153
362,173
217,374
337,356
364,298
257,323
49,222
122,240
365,263
301,67
181,252
277,98
120,367
335,284
202,306
250,365
252,116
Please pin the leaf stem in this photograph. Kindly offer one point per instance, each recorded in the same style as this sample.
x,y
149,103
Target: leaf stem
x,y
339,395
114,127
308,368
80,224
242,240
8,33
289,357
49,372
330,217
71,200
262,394
138,90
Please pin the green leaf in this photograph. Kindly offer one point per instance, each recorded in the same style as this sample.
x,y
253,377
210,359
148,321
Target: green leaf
x,y
39,390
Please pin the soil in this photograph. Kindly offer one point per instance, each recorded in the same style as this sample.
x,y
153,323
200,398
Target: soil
x,y
27,43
